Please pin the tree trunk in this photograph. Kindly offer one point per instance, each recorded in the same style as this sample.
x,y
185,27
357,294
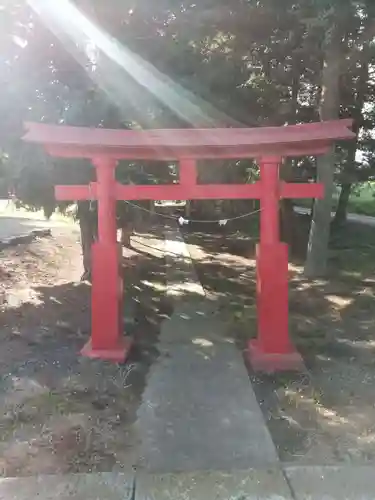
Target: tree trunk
x,y
288,218
342,207
86,242
357,113
88,227
288,223
317,250
126,232
211,172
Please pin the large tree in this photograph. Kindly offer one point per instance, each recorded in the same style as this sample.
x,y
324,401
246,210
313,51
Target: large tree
x,y
348,28
182,64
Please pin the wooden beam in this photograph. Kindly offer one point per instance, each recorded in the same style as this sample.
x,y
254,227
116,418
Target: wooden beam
x,y
172,192
168,192
172,154
301,190
189,138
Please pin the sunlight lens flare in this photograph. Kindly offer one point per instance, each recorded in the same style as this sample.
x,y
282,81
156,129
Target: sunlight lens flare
x,y
69,24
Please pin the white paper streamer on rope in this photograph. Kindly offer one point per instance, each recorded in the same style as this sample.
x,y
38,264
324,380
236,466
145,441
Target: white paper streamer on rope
x,y
182,221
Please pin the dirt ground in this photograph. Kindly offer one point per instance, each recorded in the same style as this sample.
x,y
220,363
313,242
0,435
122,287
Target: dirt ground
x,y
326,415
61,412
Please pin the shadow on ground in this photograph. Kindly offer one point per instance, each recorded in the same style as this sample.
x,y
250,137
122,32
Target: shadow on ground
x,y
325,415
64,413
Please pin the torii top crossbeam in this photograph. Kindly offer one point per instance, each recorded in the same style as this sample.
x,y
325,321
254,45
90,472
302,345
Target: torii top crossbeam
x,y
291,140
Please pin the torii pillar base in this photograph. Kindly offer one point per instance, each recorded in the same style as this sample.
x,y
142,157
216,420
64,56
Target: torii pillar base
x,y
272,362
118,354
107,339
273,350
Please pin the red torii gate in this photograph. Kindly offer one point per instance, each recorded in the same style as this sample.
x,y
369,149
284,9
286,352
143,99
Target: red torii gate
x,y
272,350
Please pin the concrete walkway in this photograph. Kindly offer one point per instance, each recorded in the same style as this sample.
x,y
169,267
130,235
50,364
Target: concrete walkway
x,y
343,482
199,411
106,486
361,219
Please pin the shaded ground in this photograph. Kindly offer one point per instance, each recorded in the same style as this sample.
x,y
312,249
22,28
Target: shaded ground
x,y
61,412
328,414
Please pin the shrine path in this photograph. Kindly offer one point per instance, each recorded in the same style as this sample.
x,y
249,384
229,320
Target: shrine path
x,y
199,411
16,223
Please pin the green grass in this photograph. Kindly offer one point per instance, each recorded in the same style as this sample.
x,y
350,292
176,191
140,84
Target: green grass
x,y
352,250
362,200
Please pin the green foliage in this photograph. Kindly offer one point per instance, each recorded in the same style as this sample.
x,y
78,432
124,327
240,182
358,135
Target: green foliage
x,y
251,63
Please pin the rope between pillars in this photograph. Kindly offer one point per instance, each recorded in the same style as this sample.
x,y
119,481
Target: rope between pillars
x,y
182,220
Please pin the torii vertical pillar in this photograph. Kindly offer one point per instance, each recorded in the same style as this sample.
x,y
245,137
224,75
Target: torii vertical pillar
x,y
107,341
272,350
